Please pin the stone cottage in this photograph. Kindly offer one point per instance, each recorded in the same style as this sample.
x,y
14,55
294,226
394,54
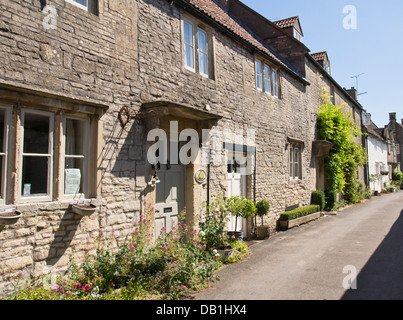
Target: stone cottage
x,y
135,104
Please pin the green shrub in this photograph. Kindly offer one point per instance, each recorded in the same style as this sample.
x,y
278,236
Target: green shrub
x,y
318,197
330,199
262,208
300,212
397,176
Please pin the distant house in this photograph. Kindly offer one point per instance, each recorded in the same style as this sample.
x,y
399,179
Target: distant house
x,y
377,158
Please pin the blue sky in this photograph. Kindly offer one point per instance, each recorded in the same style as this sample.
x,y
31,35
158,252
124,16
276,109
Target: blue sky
x,y
375,48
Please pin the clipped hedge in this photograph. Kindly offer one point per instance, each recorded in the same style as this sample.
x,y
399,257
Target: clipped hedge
x,y
299,212
318,197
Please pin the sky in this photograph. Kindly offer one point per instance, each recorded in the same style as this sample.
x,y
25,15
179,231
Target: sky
x,y
373,49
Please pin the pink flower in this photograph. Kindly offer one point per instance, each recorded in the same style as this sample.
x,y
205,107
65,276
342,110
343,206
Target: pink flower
x,y
198,247
192,255
68,292
55,287
129,263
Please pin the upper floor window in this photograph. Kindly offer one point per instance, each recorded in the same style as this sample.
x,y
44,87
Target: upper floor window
x,y
297,35
196,48
266,78
88,5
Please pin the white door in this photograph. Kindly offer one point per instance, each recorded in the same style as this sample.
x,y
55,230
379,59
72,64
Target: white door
x,y
170,197
236,187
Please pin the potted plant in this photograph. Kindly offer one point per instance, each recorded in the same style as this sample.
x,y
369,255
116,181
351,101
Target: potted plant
x,y
9,216
240,207
262,209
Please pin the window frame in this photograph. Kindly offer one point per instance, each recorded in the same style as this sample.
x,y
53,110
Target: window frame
x,y
197,53
5,153
261,78
50,155
85,156
79,5
295,161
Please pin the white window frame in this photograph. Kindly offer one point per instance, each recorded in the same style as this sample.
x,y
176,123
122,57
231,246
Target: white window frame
x,y
297,35
259,75
49,155
267,78
4,154
202,53
79,5
85,173
274,83
295,162
190,45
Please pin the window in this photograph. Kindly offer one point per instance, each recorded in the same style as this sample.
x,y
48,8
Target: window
x,y
196,48
36,157
189,45
295,161
87,5
203,53
267,87
274,80
75,155
259,75
297,35
266,78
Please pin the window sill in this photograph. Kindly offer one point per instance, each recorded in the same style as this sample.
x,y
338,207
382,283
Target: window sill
x,y
201,76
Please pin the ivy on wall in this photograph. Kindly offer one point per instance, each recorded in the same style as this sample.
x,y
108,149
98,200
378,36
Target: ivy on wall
x,y
336,125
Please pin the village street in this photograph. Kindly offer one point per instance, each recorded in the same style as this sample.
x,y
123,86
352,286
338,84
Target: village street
x,y
319,260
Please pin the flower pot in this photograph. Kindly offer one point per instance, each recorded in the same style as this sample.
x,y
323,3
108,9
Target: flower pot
x,y
263,232
83,209
225,253
9,217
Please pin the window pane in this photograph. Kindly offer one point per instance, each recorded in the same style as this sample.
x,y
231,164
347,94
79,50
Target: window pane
x,y
189,60
203,63
296,162
188,30
274,82
73,175
202,41
34,176
259,74
74,137
36,133
82,2
267,79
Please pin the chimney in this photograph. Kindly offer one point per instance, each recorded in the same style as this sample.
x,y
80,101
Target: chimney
x,y
352,92
402,121
224,4
392,116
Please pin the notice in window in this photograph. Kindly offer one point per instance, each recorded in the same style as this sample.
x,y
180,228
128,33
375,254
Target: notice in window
x,y
72,181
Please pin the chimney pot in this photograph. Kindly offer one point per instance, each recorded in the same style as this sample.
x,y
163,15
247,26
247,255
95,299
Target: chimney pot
x,y
392,116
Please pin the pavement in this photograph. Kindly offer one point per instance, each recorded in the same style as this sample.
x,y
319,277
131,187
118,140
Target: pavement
x,y
355,254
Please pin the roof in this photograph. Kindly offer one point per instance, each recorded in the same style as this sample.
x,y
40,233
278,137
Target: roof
x,y
286,23
374,131
320,56
219,15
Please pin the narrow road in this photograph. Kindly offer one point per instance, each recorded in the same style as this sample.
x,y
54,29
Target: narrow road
x,y
308,262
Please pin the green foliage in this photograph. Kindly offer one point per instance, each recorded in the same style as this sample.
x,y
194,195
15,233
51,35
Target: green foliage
x,y
330,199
347,154
240,251
318,197
240,207
262,209
299,212
397,177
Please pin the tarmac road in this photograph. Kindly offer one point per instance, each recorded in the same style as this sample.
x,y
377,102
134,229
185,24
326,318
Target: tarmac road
x,y
319,260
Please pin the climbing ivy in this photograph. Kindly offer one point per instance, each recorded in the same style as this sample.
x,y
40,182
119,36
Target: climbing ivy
x,y
335,124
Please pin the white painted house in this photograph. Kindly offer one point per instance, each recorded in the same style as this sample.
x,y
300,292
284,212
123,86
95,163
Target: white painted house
x,y
377,158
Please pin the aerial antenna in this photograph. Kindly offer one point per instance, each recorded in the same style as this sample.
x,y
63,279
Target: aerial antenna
x,y
356,80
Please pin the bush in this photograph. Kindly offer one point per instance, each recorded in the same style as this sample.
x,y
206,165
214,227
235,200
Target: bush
x,y
318,197
397,177
330,199
300,212
262,209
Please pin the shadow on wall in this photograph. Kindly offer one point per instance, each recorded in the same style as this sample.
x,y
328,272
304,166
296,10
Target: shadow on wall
x,y
382,276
